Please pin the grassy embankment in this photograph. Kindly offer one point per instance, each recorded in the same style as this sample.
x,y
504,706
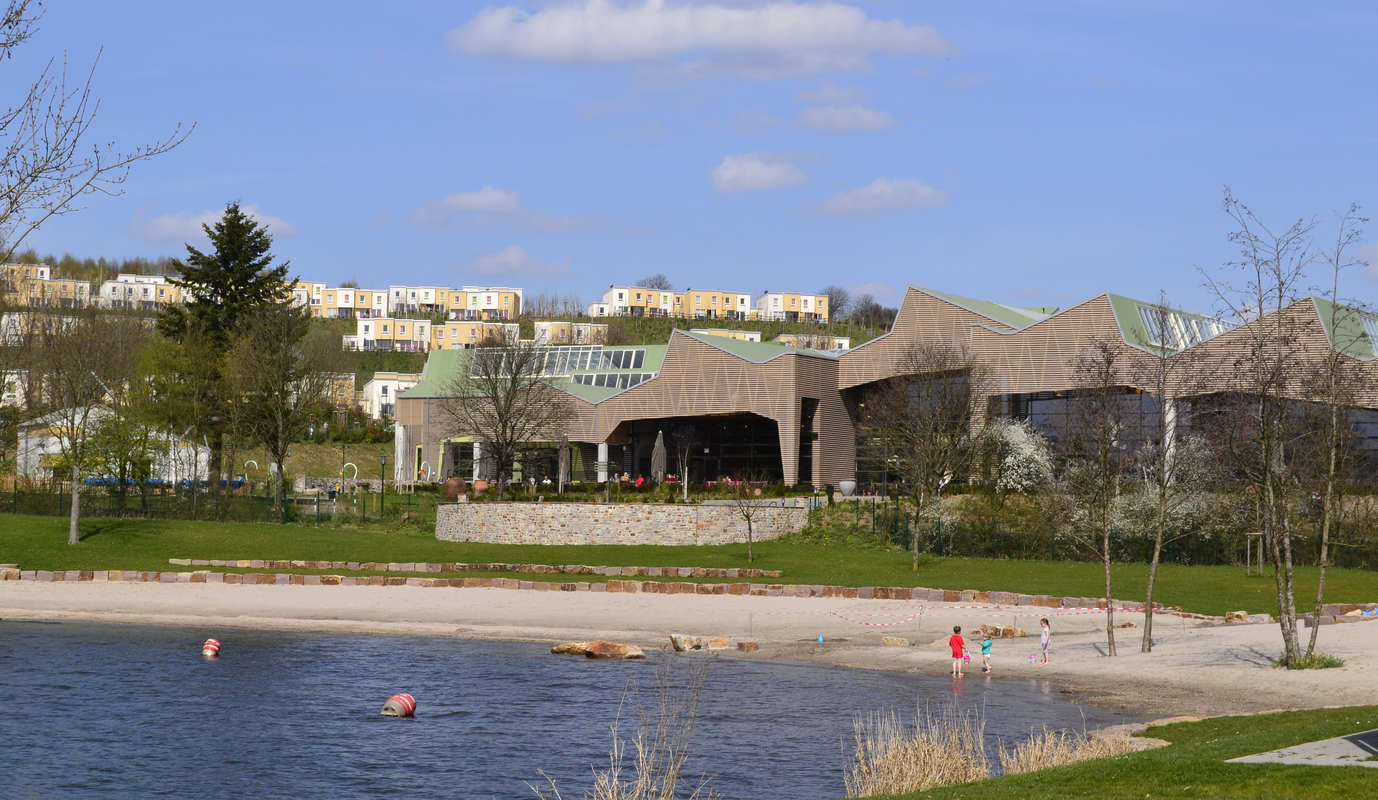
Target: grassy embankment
x,y
39,543
1194,764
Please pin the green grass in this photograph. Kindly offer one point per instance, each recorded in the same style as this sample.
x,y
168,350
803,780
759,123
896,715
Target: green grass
x,y
40,543
1314,661
1194,764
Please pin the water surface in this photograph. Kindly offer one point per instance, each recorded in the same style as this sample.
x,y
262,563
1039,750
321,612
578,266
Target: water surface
x,y
132,712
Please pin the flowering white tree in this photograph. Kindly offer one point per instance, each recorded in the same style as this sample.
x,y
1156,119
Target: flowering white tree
x,y
1021,459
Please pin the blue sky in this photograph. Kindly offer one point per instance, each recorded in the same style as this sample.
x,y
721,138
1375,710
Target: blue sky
x,y
1031,153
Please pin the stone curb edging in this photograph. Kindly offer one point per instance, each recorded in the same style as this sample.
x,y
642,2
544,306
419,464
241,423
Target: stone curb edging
x,y
496,566
999,600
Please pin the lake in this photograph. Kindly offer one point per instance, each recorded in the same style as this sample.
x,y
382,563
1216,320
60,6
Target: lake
x,y
133,711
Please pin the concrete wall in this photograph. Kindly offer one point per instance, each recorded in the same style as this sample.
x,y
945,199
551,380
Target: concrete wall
x,y
612,523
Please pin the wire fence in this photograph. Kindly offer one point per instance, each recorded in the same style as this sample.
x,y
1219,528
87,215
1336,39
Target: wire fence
x,y
201,504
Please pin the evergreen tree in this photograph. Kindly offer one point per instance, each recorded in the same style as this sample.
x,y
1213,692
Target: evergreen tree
x,y
226,285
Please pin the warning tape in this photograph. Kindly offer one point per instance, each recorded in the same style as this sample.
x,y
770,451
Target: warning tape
x,y
868,624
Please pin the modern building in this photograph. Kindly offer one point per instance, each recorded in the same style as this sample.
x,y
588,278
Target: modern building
x,y
814,341
389,333
486,304
729,333
379,395
34,286
792,307
558,333
132,292
637,301
456,335
772,411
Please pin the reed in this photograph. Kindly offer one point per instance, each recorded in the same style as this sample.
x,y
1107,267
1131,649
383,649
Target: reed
x,y
941,749
1050,748
651,765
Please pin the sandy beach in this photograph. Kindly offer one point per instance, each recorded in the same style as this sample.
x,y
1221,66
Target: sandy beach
x,y
1195,669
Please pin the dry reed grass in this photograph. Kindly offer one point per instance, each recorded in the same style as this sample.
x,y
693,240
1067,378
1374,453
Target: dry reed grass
x,y
1055,748
941,749
654,767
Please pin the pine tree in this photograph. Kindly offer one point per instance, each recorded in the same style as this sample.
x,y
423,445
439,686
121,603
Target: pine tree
x,y
225,285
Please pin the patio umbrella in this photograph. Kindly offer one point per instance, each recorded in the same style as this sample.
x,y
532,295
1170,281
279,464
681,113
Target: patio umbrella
x,y
658,458
563,468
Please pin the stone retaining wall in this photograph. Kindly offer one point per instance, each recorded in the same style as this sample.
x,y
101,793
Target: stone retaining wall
x,y
483,566
612,523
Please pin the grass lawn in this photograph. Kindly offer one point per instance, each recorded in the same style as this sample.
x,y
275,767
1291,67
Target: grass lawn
x,y
40,543
1194,764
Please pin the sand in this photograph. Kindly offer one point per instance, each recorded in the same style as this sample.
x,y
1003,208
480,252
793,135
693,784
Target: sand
x,y
1195,669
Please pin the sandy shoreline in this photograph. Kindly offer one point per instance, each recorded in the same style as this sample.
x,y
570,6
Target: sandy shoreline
x,y
1194,669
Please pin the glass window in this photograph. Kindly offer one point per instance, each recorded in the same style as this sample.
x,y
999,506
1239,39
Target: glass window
x,y
1370,324
640,357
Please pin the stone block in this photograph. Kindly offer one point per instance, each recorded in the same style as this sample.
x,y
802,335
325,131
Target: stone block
x,y
967,595
881,593
180,562
866,592
297,580
1047,601
347,580
396,580
44,575
850,592
233,578
28,575
738,588
311,580
168,577
894,641
748,647
99,576
215,577
598,587
952,596
412,581
198,577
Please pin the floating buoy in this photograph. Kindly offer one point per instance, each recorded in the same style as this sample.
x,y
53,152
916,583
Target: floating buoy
x,y
399,705
211,648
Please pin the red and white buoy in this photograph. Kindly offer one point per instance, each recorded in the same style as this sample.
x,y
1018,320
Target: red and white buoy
x,y
211,648
399,705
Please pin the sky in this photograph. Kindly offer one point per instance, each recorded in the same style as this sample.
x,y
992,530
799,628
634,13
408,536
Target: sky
x,y
1028,153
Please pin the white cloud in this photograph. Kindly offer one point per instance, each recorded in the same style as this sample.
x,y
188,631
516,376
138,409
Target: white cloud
x,y
512,261
767,39
754,172
490,206
830,94
756,121
885,195
186,227
838,119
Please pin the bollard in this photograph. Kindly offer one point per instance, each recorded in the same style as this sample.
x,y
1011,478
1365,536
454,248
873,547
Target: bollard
x,y
399,705
211,648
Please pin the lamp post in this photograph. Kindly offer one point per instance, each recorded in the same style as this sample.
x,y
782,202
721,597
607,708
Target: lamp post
x,y
382,484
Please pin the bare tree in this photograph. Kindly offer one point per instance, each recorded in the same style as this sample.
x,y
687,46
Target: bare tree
x,y
684,437
500,399
280,376
1175,470
48,160
1336,381
1256,426
746,500
82,357
1096,456
658,281
838,300
927,417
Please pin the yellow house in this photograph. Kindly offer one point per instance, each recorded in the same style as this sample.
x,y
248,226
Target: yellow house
x,y
33,285
814,341
712,304
388,333
461,334
139,292
351,303
487,303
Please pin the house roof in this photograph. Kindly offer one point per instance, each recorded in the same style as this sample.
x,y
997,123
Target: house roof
x,y
755,352
1011,316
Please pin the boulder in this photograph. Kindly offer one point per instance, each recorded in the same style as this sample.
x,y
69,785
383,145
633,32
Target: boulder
x,y
748,647
599,649
1235,617
718,643
894,641
683,642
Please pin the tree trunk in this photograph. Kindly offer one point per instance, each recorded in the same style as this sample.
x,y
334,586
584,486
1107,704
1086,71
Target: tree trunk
x,y
1146,645
749,557
1109,603
74,518
1327,515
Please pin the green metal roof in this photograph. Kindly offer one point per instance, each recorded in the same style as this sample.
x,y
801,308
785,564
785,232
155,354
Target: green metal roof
x,y
1010,316
443,367
1349,330
1135,331
755,352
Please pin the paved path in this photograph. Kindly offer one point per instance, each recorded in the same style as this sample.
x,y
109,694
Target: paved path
x,y
1357,750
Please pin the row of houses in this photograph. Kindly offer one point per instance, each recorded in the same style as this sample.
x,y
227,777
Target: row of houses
x,y
637,301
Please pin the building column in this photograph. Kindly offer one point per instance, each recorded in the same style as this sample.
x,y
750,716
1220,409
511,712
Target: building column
x,y
1169,430
602,462
478,458
789,449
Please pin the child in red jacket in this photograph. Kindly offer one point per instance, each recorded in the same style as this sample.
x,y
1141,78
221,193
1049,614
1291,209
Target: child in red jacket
x,y
959,646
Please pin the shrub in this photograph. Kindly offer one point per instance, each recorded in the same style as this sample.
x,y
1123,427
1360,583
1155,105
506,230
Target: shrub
x,y
1055,748
1313,661
942,749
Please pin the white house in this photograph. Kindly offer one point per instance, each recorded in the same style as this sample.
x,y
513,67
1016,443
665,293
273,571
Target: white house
x,y
380,393
40,448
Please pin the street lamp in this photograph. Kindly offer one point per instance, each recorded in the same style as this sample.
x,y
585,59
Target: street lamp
x,y
382,483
